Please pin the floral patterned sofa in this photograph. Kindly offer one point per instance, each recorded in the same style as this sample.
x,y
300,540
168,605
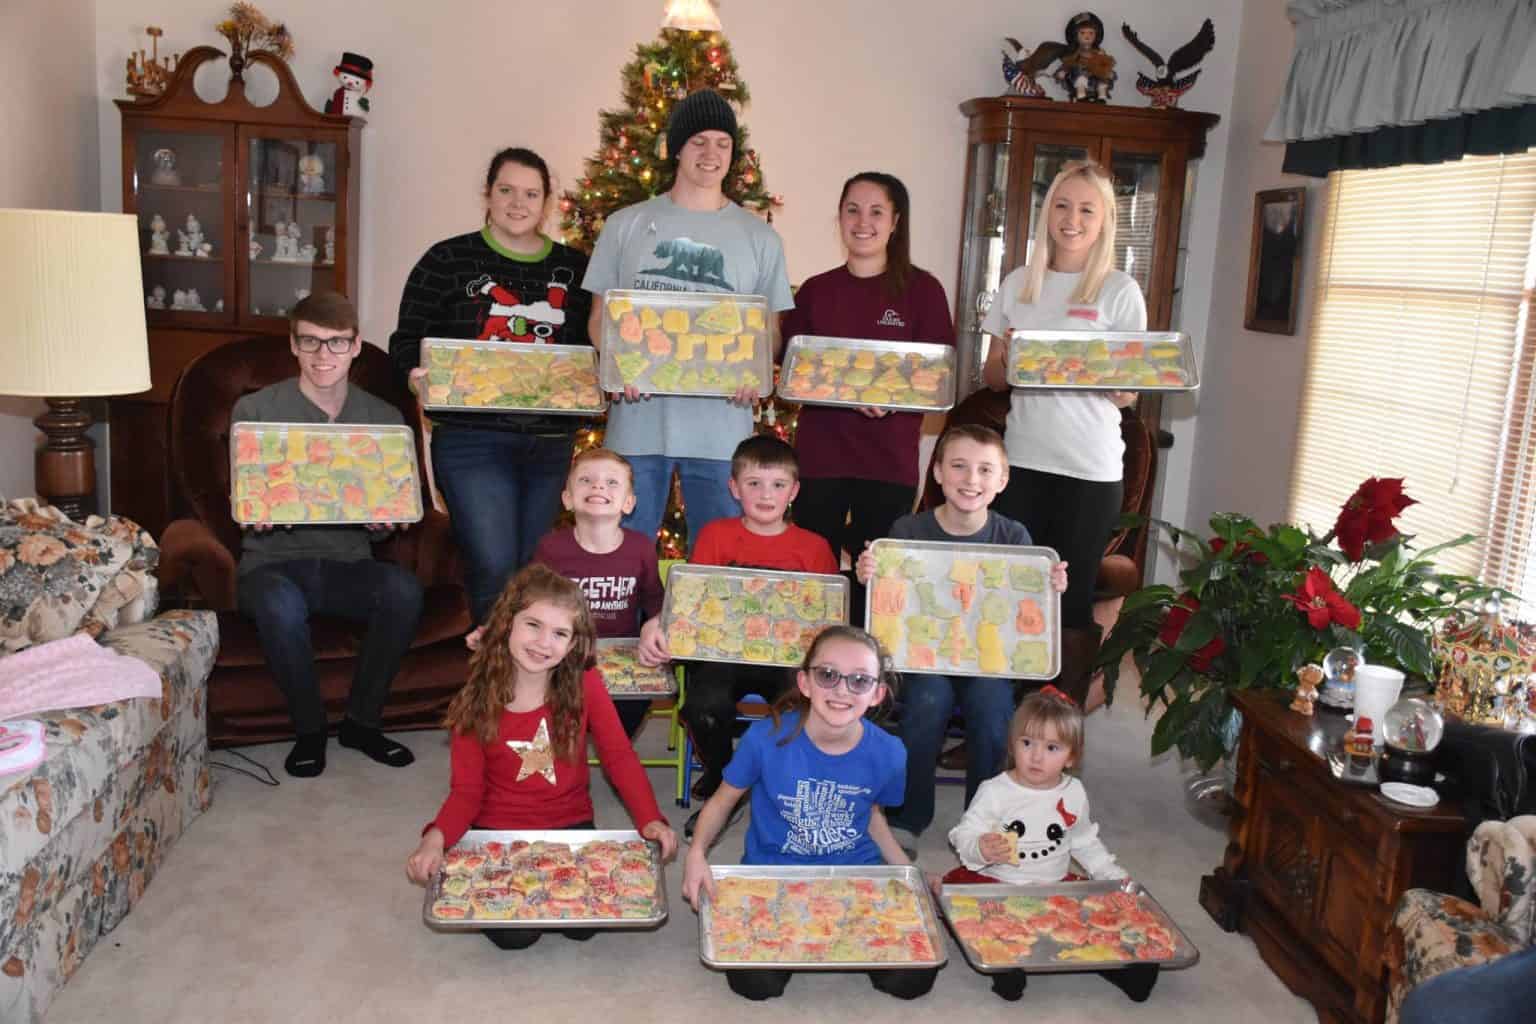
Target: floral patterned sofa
x,y
82,834
1436,932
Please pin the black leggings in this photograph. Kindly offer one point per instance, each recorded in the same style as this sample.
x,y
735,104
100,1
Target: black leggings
x,y
710,708
903,984
1076,517
850,513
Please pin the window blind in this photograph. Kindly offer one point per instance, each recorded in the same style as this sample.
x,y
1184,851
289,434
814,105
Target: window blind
x,y
1419,362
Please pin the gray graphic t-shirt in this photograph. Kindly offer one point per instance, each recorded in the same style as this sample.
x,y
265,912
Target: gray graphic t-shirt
x,y
659,246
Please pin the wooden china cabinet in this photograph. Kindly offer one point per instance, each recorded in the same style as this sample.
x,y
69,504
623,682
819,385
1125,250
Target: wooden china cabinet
x,y
1017,144
243,172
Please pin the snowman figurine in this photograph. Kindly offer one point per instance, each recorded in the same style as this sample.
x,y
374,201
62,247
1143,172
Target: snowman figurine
x,y
354,77
159,237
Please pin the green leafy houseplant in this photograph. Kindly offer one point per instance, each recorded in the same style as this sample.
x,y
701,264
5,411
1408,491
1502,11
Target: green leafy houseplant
x,y
1255,605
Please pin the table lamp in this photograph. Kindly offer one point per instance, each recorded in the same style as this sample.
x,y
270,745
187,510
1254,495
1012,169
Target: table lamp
x,y
71,327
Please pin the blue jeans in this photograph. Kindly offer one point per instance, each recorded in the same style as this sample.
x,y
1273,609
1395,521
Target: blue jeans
x,y
1485,994
281,597
706,492
502,489
927,701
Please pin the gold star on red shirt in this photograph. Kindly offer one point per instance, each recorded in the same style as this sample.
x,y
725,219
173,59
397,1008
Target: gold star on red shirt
x,y
535,754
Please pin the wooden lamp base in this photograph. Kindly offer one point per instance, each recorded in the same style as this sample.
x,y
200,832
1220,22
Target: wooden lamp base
x,y
66,464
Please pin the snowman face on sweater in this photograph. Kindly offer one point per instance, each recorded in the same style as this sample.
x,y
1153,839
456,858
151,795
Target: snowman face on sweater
x,y
1042,834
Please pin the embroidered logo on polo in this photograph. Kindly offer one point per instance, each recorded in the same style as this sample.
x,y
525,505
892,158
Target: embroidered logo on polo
x,y
892,319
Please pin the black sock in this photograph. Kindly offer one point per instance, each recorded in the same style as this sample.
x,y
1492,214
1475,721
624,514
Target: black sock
x,y
307,758
373,743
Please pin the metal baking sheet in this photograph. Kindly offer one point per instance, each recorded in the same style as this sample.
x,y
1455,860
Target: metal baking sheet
x,y
827,371
1102,360
308,474
1043,957
575,838
626,677
753,608
511,376
909,875
668,352
922,589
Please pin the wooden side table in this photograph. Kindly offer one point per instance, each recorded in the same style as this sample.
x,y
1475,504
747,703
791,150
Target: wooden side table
x,y
1314,866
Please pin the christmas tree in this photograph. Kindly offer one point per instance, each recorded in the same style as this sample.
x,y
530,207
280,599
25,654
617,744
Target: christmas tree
x,y
631,163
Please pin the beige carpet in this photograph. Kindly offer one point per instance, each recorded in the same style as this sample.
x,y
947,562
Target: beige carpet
x,y
291,904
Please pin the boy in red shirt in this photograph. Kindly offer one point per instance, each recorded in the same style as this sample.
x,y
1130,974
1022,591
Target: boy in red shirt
x,y
765,477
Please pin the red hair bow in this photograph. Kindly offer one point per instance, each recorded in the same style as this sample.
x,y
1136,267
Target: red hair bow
x,y
1051,691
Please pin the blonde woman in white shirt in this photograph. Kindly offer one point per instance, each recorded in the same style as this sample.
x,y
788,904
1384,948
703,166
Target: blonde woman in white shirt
x,y
1065,451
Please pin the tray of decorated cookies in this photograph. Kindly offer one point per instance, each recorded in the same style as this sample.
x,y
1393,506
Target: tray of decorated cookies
x,y
749,616
902,376
558,878
510,376
619,662
323,474
792,917
686,343
1103,360
1064,926
969,609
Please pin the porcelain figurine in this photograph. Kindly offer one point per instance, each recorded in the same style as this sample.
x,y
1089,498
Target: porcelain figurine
x,y
311,175
156,298
165,172
159,236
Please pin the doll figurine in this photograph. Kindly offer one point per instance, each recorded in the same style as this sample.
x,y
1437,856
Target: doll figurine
x,y
307,252
1086,72
178,299
311,175
194,301
156,298
165,172
159,236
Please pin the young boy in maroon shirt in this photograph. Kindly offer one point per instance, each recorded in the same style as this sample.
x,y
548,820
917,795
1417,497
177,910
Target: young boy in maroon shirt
x,y
765,477
615,568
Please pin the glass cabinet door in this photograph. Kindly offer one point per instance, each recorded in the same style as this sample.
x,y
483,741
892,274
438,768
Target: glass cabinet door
x,y
291,215
176,182
1138,195
1046,161
982,257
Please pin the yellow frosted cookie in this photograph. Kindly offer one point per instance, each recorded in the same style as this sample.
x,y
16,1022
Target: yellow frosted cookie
x,y
715,345
674,321
723,318
755,318
649,317
618,307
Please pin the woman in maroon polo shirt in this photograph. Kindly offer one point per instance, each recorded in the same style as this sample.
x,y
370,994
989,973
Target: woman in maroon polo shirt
x,y
858,467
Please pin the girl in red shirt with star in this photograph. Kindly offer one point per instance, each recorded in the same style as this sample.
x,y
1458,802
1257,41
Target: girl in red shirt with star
x,y
520,727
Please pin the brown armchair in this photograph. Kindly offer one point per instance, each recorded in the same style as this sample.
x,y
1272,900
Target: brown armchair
x,y
199,554
1120,570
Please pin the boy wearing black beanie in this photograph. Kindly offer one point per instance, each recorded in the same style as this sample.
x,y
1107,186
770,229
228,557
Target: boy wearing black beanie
x,y
689,239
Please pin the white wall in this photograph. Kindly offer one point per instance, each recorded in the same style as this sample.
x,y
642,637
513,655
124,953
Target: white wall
x,y
48,155
837,87
1250,403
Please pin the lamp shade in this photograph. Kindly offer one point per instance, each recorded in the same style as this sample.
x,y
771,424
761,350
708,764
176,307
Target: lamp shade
x,y
71,305
694,15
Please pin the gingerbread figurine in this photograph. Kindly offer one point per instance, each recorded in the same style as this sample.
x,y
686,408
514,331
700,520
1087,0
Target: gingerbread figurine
x,y
1308,678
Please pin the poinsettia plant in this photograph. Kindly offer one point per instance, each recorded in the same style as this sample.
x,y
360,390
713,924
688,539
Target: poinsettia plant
x,y
1254,605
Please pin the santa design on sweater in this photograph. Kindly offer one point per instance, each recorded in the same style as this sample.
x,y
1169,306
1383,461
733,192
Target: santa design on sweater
x,y
509,318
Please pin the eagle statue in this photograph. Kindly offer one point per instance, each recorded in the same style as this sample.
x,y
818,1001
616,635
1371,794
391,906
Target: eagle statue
x,y
1177,74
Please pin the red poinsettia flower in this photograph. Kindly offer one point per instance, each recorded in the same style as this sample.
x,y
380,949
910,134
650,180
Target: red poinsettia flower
x,y
1368,514
1176,619
1321,602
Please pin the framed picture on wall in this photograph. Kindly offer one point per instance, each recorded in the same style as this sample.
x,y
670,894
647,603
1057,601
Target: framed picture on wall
x,y
1274,268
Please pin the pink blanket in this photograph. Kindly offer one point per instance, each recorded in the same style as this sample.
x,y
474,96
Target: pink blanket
x,y
75,672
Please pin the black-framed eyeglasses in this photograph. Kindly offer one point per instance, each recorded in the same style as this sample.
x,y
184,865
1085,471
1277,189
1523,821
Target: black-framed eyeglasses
x,y
338,344
828,677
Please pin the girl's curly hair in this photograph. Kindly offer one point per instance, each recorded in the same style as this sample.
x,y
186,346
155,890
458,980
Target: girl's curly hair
x,y
476,709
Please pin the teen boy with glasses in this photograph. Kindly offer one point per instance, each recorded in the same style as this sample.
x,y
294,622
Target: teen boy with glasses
x,y
289,573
